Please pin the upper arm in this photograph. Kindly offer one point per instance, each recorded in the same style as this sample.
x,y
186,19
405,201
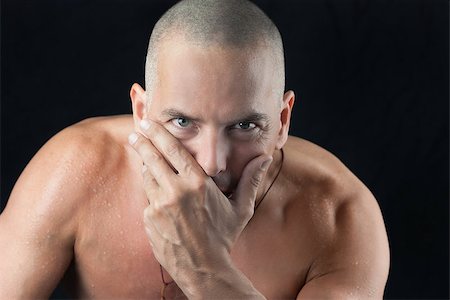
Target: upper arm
x,y
38,226
355,261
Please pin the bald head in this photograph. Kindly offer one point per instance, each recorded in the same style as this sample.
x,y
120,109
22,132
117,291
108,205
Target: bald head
x,y
236,24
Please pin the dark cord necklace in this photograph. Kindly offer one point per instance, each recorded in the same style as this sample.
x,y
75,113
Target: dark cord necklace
x,y
167,283
273,181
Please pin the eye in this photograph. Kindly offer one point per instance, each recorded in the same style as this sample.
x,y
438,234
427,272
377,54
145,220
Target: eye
x,y
245,125
181,122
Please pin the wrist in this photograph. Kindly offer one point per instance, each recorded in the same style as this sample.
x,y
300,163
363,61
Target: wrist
x,y
223,281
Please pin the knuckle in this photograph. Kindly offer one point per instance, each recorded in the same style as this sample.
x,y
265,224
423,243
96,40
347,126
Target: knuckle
x,y
135,139
255,180
141,142
148,213
248,213
172,148
149,181
148,154
158,209
149,192
155,156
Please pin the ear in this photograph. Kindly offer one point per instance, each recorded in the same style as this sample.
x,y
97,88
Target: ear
x,y
285,118
138,103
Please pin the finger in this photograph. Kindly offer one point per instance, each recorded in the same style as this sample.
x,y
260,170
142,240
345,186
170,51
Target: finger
x,y
172,149
151,186
251,178
152,158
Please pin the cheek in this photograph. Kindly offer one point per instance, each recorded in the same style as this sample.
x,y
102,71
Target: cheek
x,y
242,154
247,152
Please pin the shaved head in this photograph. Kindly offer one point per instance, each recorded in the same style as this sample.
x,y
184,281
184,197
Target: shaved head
x,y
236,24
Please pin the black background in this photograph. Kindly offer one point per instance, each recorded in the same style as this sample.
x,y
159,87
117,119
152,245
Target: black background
x,y
371,79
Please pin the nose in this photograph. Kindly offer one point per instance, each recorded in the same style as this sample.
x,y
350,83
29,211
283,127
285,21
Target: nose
x,y
212,153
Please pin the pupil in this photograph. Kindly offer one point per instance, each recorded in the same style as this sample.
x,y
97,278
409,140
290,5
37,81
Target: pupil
x,y
182,122
244,125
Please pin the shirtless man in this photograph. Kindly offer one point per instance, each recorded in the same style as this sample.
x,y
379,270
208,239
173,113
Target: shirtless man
x,y
201,183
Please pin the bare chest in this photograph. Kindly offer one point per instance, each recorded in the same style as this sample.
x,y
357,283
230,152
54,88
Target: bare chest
x,y
113,258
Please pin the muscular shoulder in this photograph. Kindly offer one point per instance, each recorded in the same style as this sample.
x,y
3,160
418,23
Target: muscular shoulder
x,y
320,177
343,220
82,152
70,165
93,147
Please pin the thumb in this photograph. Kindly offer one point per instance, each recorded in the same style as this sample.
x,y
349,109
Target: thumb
x,y
251,179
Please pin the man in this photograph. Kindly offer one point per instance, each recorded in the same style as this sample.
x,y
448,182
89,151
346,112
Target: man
x,y
208,197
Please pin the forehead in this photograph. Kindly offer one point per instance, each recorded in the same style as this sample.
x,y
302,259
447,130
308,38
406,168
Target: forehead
x,y
213,77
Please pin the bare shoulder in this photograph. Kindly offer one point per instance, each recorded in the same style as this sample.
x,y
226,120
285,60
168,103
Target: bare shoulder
x,y
351,253
73,161
323,177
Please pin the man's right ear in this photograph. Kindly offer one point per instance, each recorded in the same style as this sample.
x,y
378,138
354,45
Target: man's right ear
x,y
138,103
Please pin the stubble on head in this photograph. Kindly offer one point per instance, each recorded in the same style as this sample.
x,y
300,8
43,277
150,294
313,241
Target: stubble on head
x,y
231,24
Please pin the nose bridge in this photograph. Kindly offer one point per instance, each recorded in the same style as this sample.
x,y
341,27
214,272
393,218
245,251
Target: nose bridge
x,y
213,152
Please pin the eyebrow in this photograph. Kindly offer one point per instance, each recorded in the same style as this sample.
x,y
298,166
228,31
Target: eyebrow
x,y
174,113
251,116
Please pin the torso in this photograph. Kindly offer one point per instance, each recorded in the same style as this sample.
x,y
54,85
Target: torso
x,y
112,255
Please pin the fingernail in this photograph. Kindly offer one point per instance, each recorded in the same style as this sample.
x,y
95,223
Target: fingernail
x,y
132,138
266,164
144,124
